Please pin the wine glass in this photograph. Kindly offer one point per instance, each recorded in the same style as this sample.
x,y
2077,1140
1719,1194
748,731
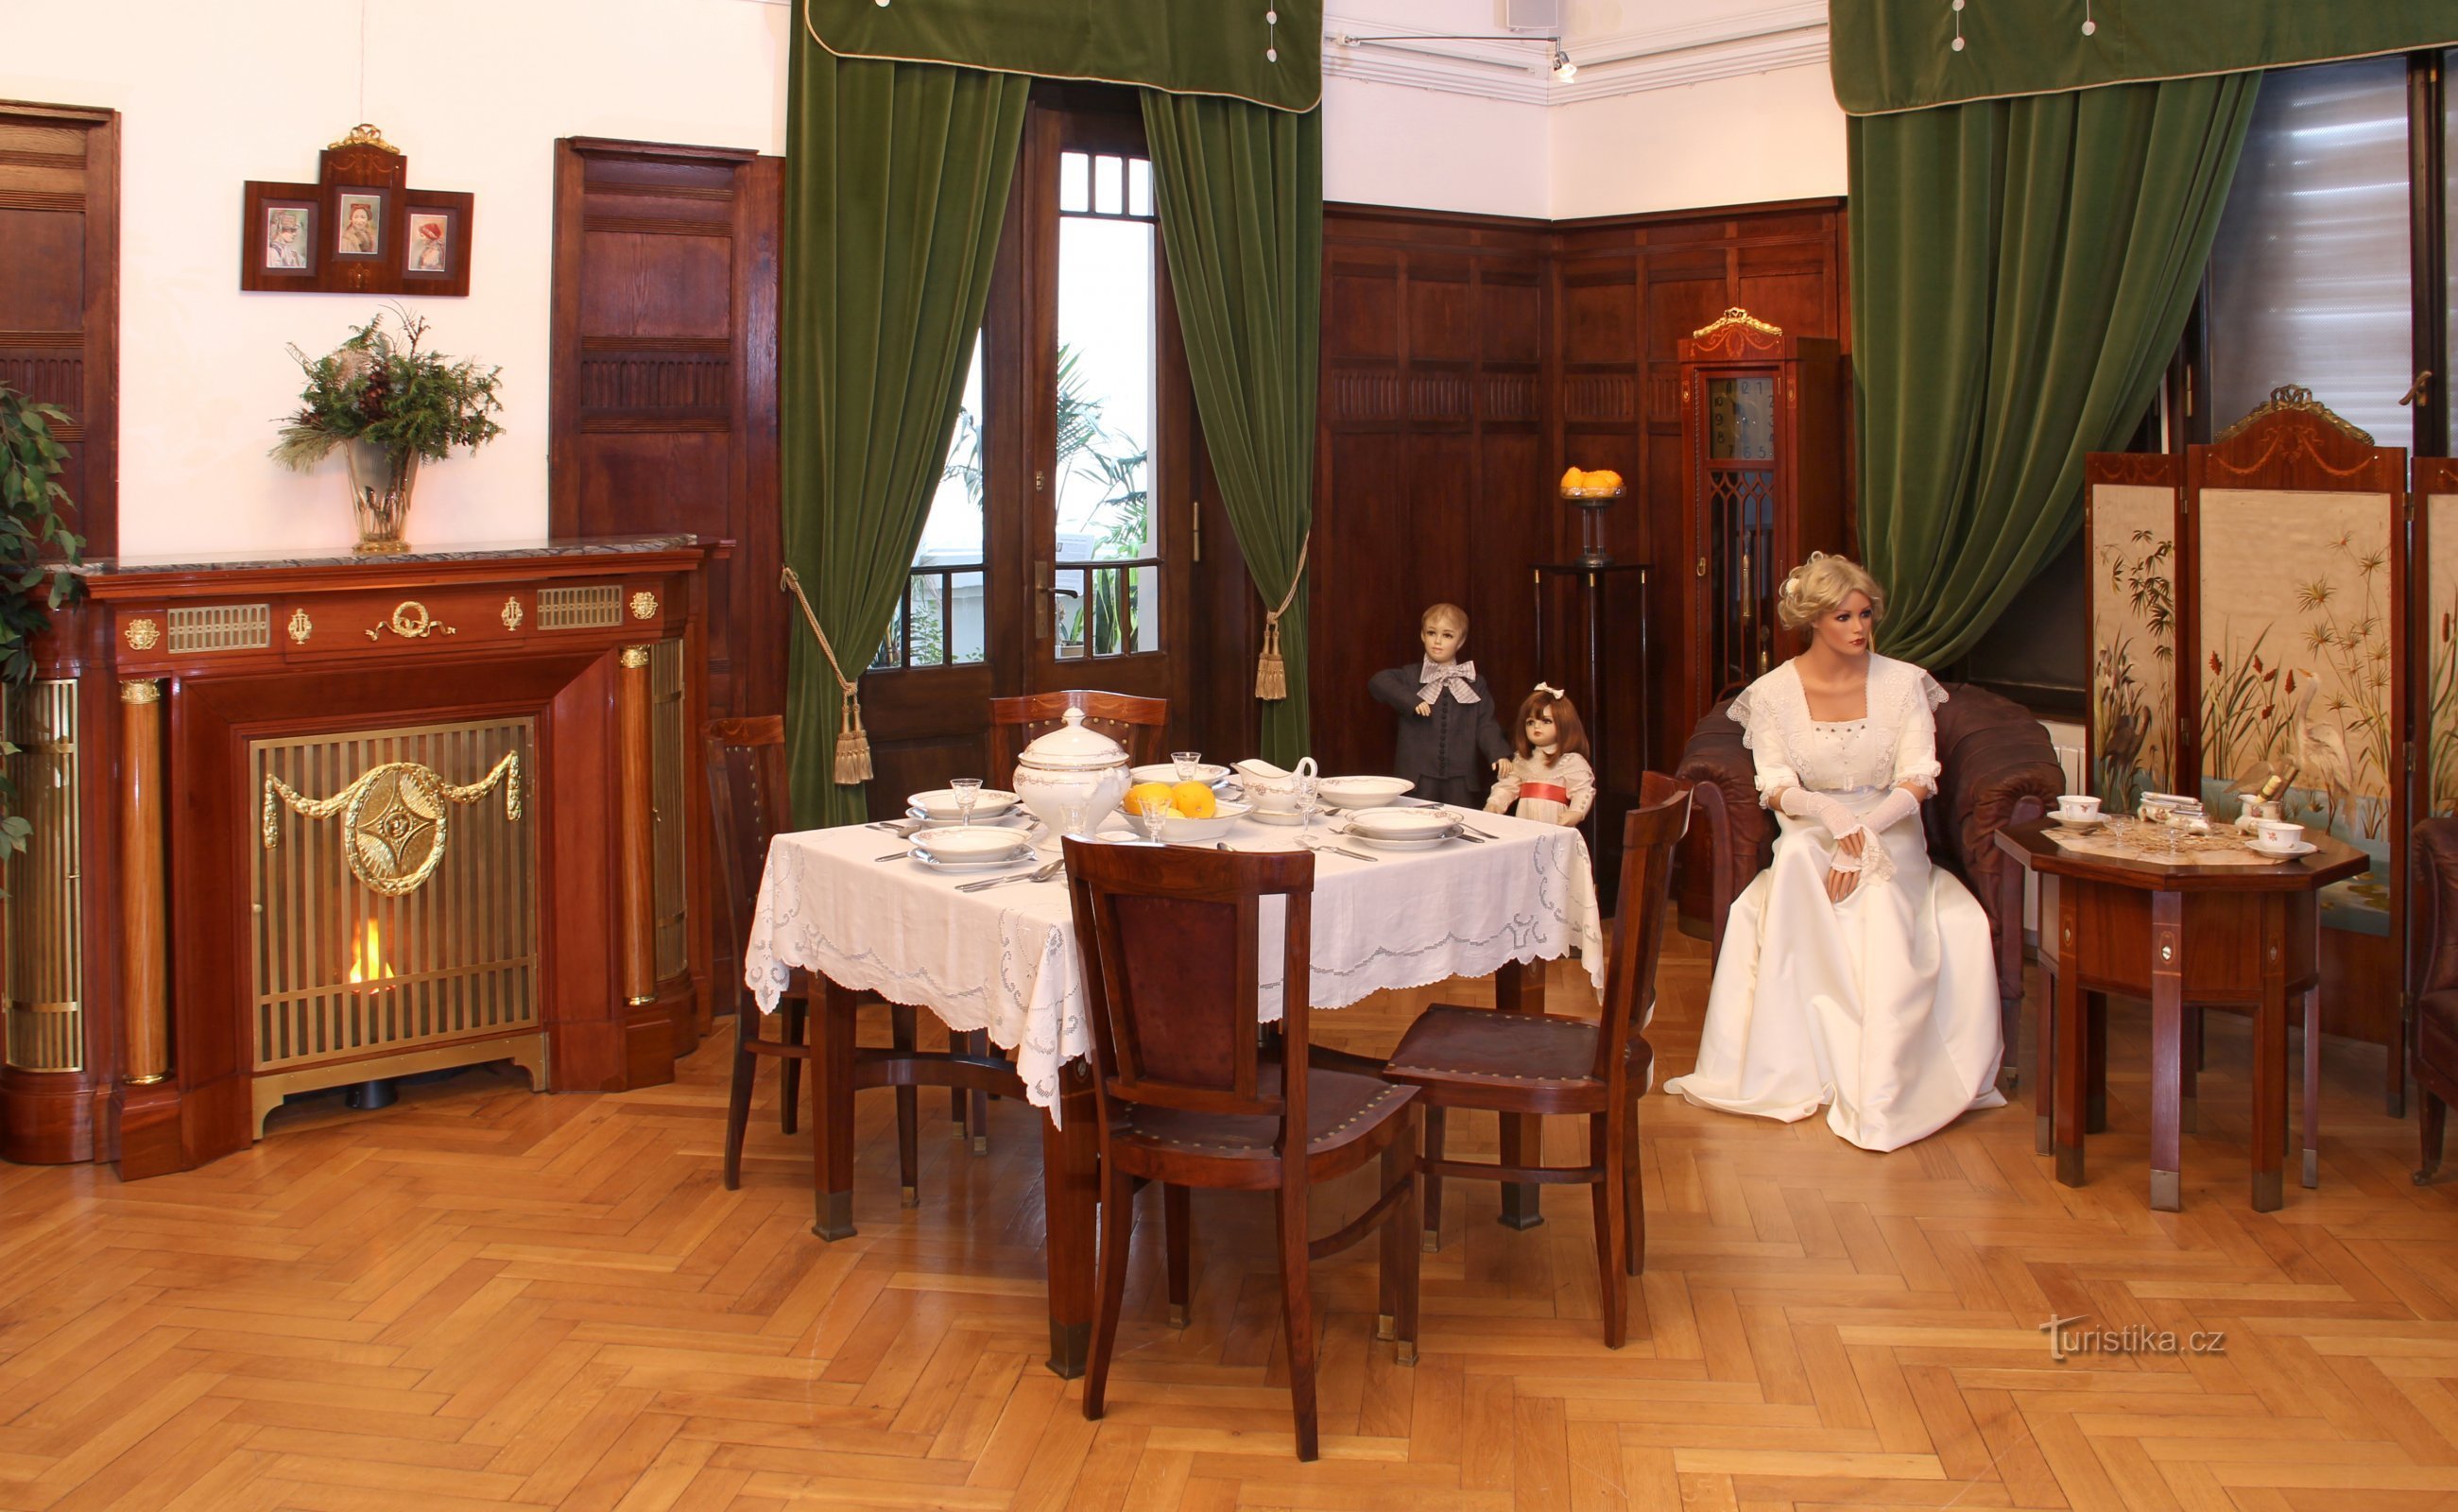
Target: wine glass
x,y
1308,799
1190,765
968,792
1153,810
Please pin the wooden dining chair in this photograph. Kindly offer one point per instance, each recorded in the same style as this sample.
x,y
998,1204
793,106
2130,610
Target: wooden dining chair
x,y
1185,1096
1531,1063
1138,724
747,800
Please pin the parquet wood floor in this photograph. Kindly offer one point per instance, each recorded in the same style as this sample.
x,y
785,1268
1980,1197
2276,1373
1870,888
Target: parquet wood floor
x,y
482,1299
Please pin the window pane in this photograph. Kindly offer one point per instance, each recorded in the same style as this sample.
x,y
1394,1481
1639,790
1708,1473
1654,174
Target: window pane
x,y
1072,167
1109,197
1068,621
1106,356
967,631
2310,277
1138,187
953,534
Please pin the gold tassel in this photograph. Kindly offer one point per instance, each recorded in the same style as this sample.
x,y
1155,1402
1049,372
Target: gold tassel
x,y
1271,677
853,745
1271,673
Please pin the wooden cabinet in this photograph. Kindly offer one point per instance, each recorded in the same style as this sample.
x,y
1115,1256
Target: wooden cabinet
x,y
1762,487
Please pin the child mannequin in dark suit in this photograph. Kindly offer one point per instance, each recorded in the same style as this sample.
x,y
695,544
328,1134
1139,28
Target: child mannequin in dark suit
x,y
1448,741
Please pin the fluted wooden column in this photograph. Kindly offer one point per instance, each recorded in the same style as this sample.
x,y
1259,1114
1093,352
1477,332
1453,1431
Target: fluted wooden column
x,y
635,889
143,916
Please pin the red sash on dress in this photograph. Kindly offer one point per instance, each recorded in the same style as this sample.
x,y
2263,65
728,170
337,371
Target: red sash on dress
x,y
1551,791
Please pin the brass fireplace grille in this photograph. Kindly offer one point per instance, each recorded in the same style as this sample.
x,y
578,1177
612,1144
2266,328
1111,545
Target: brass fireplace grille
x,y
46,975
352,983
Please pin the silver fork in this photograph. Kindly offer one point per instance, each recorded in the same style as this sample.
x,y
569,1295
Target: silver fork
x,y
1320,846
1039,874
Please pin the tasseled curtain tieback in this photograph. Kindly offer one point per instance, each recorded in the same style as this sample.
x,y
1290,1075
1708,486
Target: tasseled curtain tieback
x,y
1271,674
853,743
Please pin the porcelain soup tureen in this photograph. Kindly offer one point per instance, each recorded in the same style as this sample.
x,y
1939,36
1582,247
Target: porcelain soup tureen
x,y
1072,777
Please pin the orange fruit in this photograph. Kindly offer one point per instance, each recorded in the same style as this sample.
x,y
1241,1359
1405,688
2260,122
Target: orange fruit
x,y
1136,795
1193,800
1574,478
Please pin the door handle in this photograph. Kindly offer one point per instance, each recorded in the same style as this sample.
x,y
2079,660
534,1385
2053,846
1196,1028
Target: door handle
x,y
2421,390
1045,585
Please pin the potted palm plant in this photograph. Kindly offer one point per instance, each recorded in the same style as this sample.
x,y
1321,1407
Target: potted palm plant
x,y
35,546
393,405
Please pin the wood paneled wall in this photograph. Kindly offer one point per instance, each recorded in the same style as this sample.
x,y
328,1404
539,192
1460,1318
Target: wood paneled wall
x,y
1466,362
59,292
664,405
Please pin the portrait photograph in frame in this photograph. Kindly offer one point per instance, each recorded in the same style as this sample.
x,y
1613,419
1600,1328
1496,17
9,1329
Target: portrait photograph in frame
x,y
282,230
435,243
358,223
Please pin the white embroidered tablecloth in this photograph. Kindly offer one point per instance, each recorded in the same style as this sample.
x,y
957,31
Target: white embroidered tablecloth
x,y
1003,960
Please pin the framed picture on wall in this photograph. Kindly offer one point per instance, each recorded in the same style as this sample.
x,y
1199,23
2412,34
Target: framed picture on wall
x,y
281,237
435,242
358,223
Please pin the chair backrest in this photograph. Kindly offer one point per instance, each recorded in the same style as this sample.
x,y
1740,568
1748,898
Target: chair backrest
x,y
1649,833
747,795
1138,724
1169,937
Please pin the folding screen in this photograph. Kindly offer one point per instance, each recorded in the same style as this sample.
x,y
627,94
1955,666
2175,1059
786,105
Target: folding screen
x,y
2129,540
2250,619
2436,550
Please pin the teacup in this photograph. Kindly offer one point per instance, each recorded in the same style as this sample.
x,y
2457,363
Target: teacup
x,y
2077,806
2278,835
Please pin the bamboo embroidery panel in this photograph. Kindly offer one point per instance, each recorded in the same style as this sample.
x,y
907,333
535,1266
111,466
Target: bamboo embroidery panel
x,y
2133,641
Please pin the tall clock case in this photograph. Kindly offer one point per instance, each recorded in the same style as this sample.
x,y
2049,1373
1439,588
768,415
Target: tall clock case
x,y
1762,486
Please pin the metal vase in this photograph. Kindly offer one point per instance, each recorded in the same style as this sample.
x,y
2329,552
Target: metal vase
x,y
381,481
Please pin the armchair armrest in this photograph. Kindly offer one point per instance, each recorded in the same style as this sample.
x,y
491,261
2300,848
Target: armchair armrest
x,y
1740,833
2000,770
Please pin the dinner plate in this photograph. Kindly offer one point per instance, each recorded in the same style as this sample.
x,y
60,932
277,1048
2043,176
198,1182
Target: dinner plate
x,y
940,804
2288,853
1015,819
1391,843
1027,857
1405,823
1264,816
980,844
1205,773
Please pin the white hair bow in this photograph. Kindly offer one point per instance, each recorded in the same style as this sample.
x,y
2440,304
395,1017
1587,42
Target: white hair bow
x,y
1549,689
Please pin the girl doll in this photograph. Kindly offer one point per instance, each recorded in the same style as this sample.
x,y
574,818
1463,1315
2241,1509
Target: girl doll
x,y
1447,736
1551,780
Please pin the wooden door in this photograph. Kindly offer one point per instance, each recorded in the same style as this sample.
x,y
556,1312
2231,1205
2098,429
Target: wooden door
x,y
59,293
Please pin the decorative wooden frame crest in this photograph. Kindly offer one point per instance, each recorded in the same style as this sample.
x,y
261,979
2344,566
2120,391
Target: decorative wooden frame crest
x,y
1735,333
359,229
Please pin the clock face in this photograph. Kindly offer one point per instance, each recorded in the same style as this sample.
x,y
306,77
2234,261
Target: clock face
x,y
1741,419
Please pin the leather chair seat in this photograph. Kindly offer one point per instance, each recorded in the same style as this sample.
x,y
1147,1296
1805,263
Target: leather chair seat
x,y
1342,1108
1538,1050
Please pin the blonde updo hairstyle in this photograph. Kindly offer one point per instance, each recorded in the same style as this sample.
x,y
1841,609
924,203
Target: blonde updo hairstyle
x,y
1819,586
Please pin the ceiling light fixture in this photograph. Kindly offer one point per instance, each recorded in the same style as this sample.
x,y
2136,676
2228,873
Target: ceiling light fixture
x,y
1563,68
1560,63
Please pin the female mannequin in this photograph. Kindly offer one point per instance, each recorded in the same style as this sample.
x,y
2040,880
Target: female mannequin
x,y
1854,974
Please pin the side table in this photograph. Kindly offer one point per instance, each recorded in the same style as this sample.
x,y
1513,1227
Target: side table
x,y
2179,933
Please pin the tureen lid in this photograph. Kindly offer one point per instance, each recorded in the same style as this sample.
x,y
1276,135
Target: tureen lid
x,y
1073,748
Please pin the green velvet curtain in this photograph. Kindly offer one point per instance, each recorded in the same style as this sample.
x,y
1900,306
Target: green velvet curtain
x,y
1269,51
2021,272
1901,54
896,183
1240,190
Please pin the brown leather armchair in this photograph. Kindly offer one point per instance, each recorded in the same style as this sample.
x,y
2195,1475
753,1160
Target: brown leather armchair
x,y
1999,770
2434,861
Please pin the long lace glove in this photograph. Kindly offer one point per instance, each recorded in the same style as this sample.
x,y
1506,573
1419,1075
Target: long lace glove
x,y
1820,809
1899,804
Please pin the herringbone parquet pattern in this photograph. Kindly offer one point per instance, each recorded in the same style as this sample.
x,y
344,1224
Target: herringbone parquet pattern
x,y
484,1298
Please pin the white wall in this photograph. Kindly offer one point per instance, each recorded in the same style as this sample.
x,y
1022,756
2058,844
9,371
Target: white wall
x,y
1731,141
1388,144
475,92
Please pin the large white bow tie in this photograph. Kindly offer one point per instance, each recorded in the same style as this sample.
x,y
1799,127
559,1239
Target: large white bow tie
x,y
1435,676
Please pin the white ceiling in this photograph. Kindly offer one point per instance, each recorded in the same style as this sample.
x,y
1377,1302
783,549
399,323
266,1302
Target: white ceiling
x,y
1621,46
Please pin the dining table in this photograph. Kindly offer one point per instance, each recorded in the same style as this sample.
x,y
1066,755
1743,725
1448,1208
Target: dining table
x,y
859,919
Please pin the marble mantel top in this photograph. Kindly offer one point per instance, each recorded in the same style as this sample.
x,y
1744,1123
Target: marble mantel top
x,y
343,558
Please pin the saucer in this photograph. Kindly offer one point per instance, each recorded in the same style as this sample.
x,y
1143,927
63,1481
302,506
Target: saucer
x,y
2288,853
1023,856
1264,816
2079,821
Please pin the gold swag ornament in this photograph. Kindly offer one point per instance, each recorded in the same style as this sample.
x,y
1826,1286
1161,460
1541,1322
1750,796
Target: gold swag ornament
x,y
395,816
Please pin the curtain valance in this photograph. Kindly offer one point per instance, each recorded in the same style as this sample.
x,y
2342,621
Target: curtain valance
x,y
1267,51
1900,55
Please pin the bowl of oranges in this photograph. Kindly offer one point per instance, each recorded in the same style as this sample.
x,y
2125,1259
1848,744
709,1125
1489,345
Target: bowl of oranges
x,y
1192,812
1593,488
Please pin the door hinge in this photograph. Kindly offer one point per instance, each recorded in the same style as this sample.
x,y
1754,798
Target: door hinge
x,y
1195,530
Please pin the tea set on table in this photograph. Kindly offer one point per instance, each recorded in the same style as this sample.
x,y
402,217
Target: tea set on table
x,y
2259,825
1074,780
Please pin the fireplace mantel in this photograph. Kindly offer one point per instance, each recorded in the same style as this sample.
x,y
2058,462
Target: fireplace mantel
x,y
139,963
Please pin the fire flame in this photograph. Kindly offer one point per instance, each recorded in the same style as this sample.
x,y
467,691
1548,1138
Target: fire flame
x,y
367,957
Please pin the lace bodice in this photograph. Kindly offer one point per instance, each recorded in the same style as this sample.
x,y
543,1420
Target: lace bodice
x,y
1895,743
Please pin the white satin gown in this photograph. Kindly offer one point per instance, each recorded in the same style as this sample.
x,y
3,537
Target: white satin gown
x,y
1882,1008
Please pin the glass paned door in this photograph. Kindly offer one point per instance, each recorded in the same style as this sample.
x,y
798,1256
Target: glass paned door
x,y
1738,471
1105,588
944,618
